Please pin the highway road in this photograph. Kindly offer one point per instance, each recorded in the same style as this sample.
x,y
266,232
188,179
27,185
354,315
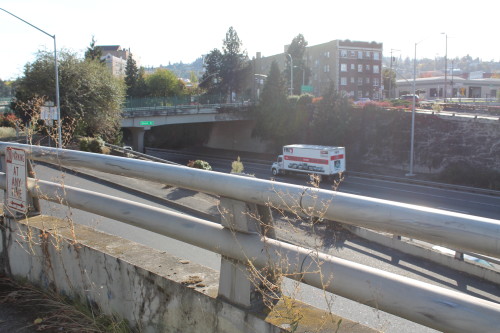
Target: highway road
x,y
452,200
324,238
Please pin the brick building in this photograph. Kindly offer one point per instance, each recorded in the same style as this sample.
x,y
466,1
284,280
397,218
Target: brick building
x,y
355,68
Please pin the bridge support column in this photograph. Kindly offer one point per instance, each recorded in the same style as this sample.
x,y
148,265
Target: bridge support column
x,y
240,283
138,138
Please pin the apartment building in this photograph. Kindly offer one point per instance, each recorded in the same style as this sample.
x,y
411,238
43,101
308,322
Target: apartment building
x,y
354,67
115,58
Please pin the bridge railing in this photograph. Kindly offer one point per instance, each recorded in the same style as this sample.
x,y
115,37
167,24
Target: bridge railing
x,y
429,305
184,109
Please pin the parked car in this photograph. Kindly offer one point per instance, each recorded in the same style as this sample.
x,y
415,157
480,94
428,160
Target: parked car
x,y
362,100
410,98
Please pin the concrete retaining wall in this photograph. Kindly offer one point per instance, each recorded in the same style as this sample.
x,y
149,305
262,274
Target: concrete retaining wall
x,y
152,290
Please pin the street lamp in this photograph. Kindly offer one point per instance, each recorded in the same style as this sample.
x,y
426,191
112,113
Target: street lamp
x,y
390,76
291,73
445,65
57,75
412,137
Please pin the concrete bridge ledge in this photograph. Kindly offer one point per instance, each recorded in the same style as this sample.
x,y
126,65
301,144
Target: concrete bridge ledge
x,y
152,290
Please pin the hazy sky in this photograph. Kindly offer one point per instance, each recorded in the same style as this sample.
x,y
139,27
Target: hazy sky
x,y
162,31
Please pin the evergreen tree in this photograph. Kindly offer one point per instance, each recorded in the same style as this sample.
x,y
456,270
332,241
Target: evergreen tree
x,y
301,71
273,110
131,76
93,52
234,63
332,118
226,71
210,81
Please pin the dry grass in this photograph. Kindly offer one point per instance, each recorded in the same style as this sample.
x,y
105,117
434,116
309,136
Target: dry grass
x,y
44,311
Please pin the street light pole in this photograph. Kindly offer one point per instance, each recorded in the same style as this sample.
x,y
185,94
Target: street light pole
x,y
390,76
291,73
412,137
57,76
445,65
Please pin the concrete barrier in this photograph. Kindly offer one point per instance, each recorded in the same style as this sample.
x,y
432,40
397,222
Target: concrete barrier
x,y
152,290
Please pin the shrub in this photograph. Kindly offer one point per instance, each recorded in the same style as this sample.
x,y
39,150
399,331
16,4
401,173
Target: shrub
x,y
7,132
199,164
94,145
437,107
468,174
84,144
237,166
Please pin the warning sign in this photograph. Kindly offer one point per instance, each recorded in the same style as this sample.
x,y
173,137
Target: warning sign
x,y
17,196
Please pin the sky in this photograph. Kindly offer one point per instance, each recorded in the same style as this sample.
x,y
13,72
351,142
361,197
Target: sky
x,y
162,32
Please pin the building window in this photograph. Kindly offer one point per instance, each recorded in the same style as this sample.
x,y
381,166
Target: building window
x,y
353,67
360,81
327,54
376,69
360,68
343,53
376,82
367,67
326,68
353,54
376,56
343,67
368,54
360,54
343,81
367,80
352,79
360,93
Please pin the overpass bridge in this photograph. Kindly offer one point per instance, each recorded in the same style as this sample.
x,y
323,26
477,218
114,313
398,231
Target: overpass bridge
x,y
139,119
252,260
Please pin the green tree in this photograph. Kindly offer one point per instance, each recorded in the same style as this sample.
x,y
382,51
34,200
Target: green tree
x,y
235,65
131,76
301,71
226,71
273,111
332,119
5,89
164,83
389,81
93,52
210,81
89,94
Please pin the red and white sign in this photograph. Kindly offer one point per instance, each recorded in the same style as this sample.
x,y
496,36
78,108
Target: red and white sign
x,y
17,190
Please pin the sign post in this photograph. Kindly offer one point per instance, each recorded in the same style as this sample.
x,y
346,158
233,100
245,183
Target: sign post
x,y
17,189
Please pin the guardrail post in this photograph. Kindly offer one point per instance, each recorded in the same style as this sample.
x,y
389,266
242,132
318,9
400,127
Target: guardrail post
x,y
459,255
238,283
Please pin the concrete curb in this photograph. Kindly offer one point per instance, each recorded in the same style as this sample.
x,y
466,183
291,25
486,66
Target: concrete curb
x,y
413,249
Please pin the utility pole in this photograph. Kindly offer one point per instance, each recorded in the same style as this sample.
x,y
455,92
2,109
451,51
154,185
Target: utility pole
x,y
445,66
390,78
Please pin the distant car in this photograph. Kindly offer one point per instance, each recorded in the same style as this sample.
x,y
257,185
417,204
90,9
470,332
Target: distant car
x,y
127,148
362,100
409,98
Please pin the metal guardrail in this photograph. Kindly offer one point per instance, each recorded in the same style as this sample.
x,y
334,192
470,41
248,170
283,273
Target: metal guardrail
x,y
429,305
